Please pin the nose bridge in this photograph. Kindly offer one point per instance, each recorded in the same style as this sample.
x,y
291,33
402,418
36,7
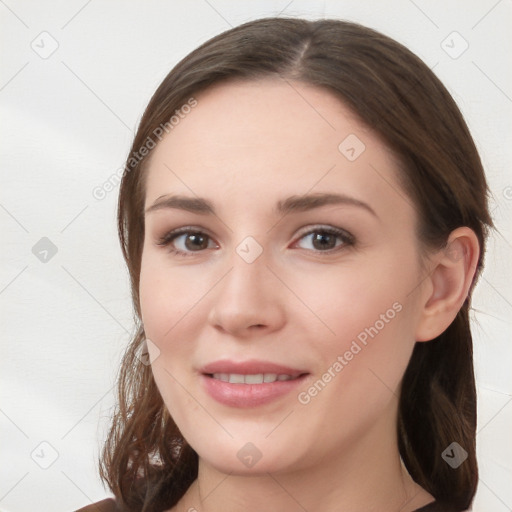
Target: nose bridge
x,y
247,281
249,294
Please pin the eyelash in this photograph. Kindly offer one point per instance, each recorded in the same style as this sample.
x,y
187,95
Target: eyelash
x,y
347,239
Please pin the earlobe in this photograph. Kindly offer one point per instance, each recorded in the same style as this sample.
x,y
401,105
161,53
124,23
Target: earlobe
x,y
449,282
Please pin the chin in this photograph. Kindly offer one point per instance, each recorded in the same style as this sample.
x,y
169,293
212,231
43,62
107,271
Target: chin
x,y
246,458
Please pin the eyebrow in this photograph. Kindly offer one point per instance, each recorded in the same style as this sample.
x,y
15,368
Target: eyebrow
x,y
291,204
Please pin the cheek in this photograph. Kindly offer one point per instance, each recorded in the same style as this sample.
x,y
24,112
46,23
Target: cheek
x,y
166,296
165,300
365,314
361,365
350,300
172,309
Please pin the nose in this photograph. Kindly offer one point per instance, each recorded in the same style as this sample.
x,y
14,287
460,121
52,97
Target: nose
x,y
249,300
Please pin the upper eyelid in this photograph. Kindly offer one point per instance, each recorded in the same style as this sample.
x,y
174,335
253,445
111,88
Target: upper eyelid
x,y
203,231
323,227
170,236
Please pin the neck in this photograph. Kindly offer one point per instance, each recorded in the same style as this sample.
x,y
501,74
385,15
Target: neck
x,y
364,475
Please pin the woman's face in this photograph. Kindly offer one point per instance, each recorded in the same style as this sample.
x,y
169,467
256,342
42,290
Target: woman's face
x,y
299,261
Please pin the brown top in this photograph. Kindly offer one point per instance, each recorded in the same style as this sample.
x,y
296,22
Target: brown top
x,y
109,505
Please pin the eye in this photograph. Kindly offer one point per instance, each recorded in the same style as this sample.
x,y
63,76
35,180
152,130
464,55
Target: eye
x,y
186,241
321,239
325,239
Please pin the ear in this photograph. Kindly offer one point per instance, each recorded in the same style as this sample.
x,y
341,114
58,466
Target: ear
x,y
448,284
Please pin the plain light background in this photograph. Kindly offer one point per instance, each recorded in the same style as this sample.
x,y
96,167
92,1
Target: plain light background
x,y
75,78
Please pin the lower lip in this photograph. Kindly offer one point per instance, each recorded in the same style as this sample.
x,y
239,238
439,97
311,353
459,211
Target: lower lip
x,y
248,395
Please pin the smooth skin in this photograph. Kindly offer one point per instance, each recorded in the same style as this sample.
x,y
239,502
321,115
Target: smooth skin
x,y
301,303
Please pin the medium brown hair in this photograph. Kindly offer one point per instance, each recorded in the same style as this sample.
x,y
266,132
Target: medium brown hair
x,y
146,462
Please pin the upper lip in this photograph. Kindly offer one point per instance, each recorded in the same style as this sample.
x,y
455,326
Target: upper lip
x,y
251,367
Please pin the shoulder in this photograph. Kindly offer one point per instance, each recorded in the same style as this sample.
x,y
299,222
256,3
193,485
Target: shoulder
x,y
107,505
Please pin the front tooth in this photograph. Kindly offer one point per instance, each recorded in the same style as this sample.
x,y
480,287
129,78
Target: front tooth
x,y
259,378
254,379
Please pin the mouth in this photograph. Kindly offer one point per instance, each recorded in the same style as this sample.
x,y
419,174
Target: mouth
x,y
255,378
250,383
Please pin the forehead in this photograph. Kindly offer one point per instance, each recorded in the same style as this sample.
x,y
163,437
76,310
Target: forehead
x,y
261,140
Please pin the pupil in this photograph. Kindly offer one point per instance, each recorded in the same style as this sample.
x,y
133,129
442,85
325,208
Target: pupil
x,y
196,241
323,239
